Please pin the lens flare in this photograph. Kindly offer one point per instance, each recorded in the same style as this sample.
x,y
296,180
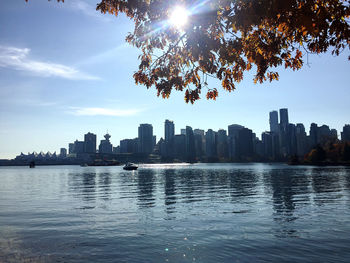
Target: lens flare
x,y
179,17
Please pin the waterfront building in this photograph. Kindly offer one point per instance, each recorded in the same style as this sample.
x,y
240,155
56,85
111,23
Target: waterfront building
x,y
179,150
145,138
274,127
221,145
313,134
169,131
154,141
258,147
284,120
245,144
71,148
199,141
127,146
334,134
345,134
183,131
79,147
323,134
105,145
198,132
116,150
301,140
199,138
190,145
232,139
266,138
291,140
161,148
90,143
63,153
199,145
276,152
284,133
210,144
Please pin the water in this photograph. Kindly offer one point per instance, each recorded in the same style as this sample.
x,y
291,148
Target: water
x,y
175,213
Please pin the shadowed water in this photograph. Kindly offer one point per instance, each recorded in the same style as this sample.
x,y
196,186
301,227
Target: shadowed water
x,y
175,213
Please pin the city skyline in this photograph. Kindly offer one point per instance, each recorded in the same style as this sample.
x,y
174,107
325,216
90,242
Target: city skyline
x,y
146,140
59,81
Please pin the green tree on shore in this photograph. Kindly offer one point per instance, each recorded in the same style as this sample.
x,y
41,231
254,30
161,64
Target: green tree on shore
x,y
334,153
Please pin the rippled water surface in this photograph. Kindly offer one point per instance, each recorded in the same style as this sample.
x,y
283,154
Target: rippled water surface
x,y
175,213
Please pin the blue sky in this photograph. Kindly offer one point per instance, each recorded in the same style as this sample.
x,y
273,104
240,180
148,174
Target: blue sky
x,y
65,70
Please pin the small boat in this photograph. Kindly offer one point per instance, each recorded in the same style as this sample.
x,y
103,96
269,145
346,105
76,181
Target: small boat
x,y
130,167
32,164
84,165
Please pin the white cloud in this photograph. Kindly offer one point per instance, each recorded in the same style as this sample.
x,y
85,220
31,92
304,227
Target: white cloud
x,y
95,111
17,58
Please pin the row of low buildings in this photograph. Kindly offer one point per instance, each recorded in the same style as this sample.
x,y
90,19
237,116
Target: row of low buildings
x,y
237,143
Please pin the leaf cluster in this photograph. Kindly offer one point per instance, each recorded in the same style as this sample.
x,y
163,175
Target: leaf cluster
x,y
226,38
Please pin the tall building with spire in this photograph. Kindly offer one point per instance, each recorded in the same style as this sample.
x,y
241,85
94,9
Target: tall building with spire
x,y
105,145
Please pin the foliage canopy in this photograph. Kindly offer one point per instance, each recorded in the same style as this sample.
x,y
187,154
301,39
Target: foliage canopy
x,y
225,38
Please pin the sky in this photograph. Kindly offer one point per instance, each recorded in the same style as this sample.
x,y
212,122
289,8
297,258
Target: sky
x,y
65,70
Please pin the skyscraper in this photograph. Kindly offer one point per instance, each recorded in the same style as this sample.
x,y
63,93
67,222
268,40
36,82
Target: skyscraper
x,y
169,130
233,131
145,132
284,133
345,134
210,144
78,147
90,143
245,144
323,134
71,148
127,146
198,132
179,148
105,145
190,146
222,149
199,142
291,139
274,121
313,134
266,138
301,139
284,117
334,134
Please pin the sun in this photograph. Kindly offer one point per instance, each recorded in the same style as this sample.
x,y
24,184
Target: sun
x,y
179,17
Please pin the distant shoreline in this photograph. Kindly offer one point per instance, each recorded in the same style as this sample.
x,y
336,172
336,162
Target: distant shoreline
x,y
319,164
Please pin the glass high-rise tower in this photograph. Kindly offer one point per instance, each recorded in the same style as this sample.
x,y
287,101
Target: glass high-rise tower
x,y
274,122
